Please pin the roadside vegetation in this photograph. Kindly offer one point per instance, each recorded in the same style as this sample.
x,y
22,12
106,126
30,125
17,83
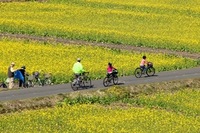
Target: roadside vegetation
x,y
165,107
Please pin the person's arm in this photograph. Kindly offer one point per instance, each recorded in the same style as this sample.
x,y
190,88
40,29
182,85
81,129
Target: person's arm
x,y
114,68
81,68
146,62
12,69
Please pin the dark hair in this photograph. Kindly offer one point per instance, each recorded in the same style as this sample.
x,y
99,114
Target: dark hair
x,y
24,67
110,64
144,57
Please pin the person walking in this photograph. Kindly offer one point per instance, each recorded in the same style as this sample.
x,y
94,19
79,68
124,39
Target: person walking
x,y
22,82
11,71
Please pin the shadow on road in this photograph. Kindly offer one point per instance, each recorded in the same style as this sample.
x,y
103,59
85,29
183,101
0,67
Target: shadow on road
x,y
150,76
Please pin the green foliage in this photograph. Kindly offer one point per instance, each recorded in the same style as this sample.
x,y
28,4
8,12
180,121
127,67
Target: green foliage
x,y
158,107
105,100
149,98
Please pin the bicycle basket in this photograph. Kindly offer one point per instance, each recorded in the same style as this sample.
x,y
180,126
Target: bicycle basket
x,y
115,71
150,64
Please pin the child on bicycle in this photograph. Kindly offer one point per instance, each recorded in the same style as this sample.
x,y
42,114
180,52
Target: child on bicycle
x,y
111,70
143,63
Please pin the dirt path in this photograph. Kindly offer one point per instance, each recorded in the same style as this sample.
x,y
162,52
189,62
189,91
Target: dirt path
x,y
113,46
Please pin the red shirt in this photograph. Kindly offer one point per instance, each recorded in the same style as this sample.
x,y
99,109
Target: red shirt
x,y
110,69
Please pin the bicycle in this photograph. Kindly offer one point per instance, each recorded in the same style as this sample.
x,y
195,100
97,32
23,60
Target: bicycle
x,y
33,80
149,70
47,79
83,81
4,84
111,79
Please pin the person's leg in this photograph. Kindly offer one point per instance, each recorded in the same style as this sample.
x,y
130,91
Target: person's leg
x,y
78,77
24,83
143,68
114,74
108,75
20,83
75,78
11,83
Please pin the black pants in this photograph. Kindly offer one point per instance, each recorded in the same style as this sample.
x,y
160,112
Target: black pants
x,y
22,83
110,74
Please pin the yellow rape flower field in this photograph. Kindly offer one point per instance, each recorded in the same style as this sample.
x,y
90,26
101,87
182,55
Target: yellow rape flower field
x,y
168,24
58,59
87,118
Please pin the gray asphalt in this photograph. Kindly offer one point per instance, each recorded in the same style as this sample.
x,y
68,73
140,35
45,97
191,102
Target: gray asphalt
x,y
34,92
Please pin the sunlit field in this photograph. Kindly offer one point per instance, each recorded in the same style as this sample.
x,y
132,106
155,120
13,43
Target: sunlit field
x,y
125,118
166,24
58,59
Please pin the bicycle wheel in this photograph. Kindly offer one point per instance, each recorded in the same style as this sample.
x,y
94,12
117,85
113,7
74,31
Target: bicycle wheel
x,y
106,81
138,72
74,85
47,82
87,82
150,71
30,84
115,80
38,83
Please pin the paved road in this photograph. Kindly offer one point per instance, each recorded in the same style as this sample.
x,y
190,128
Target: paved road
x,y
97,84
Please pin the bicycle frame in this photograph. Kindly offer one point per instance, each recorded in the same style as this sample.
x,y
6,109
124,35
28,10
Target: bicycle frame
x,y
82,81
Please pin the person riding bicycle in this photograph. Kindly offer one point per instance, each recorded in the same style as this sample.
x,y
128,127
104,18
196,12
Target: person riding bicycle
x,y
143,63
78,68
111,70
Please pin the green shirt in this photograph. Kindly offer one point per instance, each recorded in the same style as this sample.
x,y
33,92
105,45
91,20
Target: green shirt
x,y
78,68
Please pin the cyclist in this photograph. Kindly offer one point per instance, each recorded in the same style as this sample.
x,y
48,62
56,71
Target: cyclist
x,y
78,68
143,63
111,70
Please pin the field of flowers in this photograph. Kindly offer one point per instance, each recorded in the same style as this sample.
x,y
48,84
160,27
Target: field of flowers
x,y
180,116
167,24
184,101
58,59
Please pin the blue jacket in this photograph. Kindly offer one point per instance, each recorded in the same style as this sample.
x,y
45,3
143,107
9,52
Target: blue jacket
x,y
18,75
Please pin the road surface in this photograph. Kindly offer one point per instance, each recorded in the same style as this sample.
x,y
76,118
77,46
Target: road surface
x,y
34,92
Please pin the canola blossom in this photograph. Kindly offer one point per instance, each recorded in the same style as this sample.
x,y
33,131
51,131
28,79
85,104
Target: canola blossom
x,y
158,24
95,118
186,101
58,59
